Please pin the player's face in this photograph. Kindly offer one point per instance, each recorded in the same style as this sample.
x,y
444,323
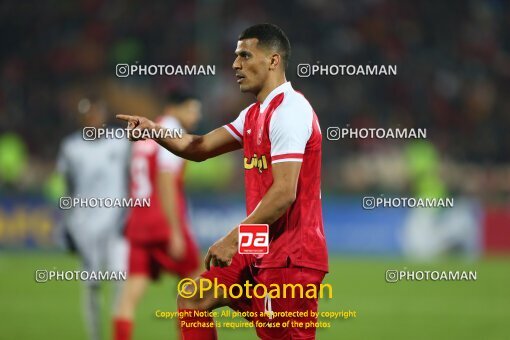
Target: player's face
x,y
191,114
251,65
95,117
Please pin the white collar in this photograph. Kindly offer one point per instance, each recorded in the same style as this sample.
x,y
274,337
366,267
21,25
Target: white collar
x,y
282,88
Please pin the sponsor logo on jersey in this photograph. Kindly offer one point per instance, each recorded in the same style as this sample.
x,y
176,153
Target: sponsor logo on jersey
x,y
253,239
255,163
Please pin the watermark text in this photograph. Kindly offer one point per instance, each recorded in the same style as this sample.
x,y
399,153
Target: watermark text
x,y
67,202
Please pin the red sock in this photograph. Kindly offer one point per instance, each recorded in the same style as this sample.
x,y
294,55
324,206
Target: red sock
x,y
122,329
192,332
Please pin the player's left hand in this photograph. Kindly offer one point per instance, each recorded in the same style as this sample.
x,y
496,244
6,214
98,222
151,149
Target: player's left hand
x,y
222,252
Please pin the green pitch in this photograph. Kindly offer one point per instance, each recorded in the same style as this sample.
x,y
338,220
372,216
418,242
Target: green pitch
x,y
404,310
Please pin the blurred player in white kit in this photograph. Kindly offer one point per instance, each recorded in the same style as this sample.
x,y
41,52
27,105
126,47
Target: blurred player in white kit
x,y
96,168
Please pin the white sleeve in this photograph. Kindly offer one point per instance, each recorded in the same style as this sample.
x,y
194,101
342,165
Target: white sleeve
x,y
236,128
290,129
63,166
165,160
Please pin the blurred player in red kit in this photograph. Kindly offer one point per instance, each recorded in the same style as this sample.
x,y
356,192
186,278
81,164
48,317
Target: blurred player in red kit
x,y
280,134
159,236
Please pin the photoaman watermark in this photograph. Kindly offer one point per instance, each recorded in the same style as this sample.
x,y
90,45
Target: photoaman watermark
x,y
188,288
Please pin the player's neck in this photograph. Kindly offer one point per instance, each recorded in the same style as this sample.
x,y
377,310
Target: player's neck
x,y
270,85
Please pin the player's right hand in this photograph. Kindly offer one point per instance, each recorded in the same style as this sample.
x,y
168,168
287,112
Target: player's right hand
x,y
138,123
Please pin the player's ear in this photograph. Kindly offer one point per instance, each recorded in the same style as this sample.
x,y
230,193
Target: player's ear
x,y
274,61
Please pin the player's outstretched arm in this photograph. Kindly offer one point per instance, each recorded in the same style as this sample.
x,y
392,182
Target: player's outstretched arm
x,y
192,147
273,205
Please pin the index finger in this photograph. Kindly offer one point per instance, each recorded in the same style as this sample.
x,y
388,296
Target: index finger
x,y
127,118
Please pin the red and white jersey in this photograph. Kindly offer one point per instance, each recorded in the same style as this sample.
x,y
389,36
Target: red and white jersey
x,y
284,128
150,224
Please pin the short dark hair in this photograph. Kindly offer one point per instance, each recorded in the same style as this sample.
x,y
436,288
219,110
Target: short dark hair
x,y
178,97
271,36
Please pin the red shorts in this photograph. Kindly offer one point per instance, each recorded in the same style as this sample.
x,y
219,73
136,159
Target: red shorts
x,y
242,269
150,259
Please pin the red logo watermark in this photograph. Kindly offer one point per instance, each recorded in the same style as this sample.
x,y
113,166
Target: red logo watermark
x,y
253,239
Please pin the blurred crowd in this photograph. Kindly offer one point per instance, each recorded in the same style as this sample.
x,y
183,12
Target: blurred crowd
x,y
453,61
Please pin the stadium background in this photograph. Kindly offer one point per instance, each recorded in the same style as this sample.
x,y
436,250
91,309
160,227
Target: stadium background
x,y
453,78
